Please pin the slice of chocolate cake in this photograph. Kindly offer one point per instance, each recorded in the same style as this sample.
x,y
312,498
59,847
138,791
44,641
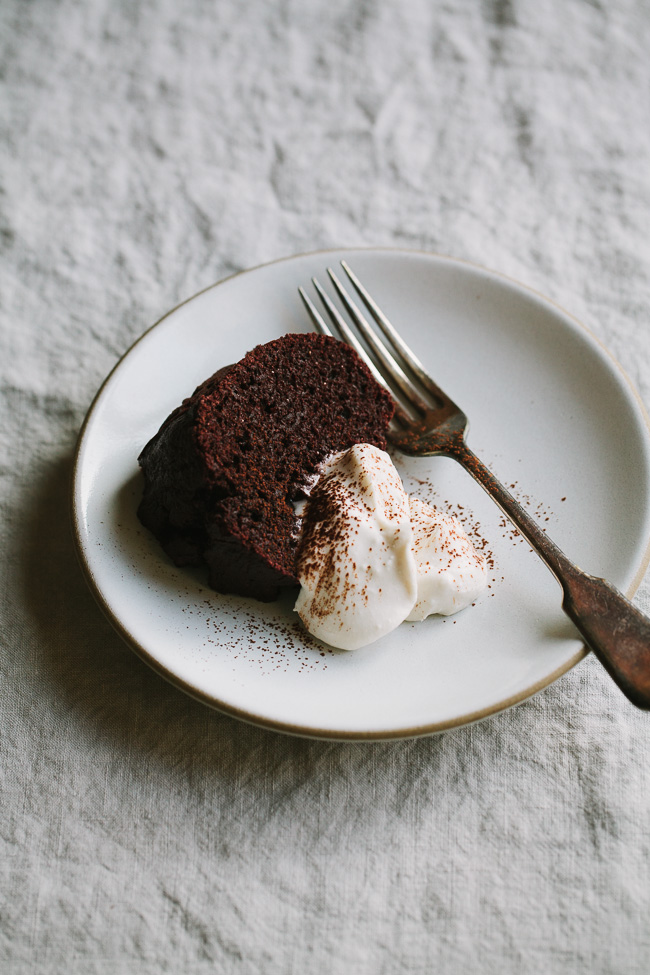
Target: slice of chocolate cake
x,y
223,470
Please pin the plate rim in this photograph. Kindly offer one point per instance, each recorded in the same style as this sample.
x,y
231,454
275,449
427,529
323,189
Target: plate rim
x,y
287,727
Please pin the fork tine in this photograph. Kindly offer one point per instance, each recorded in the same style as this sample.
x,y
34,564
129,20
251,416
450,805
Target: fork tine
x,y
388,363
350,338
319,322
345,330
407,356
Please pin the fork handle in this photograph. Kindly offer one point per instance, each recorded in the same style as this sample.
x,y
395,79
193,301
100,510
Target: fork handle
x,y
611,626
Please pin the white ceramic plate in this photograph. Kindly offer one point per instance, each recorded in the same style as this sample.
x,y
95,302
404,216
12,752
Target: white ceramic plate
x,y
550,411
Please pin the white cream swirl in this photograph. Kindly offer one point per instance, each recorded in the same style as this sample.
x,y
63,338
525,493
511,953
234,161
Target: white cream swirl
x,y
355,560
369,558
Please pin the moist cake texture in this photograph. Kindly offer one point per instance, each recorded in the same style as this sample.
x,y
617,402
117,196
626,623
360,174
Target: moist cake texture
x,y
224,470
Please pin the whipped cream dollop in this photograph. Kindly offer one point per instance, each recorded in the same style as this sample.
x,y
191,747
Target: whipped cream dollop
x,y
450,572
355,559
369,557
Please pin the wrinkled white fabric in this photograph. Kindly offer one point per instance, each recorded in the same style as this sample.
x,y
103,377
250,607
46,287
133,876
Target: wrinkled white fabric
x,y
149,149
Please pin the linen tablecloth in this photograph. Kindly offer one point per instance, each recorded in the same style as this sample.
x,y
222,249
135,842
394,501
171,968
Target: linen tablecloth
x,y
148,150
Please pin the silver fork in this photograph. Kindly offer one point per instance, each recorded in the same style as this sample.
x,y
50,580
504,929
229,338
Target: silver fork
x,y
428,422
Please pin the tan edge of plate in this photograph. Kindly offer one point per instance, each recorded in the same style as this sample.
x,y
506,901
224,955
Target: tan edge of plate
x,y
297,730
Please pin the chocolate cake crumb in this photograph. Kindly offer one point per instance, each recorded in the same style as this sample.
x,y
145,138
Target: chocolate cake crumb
x,y
223,471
